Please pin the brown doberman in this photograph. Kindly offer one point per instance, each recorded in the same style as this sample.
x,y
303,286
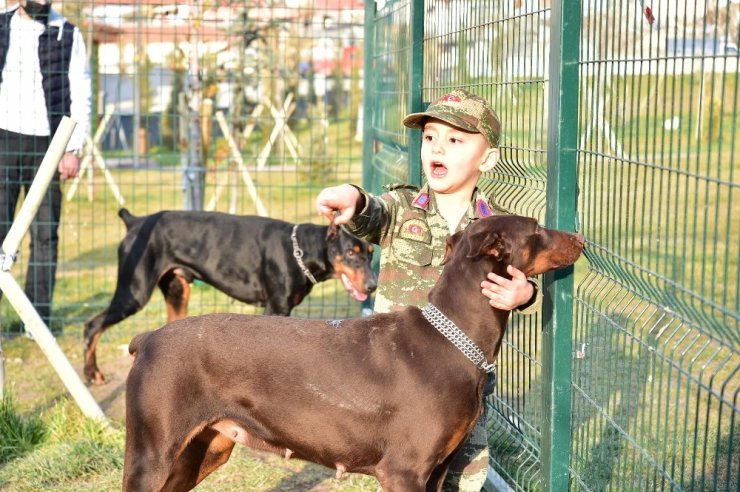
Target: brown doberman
x,y
256,260
390,395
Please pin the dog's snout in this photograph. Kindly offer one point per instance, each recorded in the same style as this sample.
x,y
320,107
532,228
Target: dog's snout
x,y
370,285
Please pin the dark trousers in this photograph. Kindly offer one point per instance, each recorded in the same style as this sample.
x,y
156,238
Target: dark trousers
x,y
20,157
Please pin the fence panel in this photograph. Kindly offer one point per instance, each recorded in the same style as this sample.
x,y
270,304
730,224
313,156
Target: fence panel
x,y
172,85
655,397
655,366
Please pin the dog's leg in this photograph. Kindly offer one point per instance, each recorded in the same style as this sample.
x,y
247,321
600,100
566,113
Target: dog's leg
x,y
397,474
401,481
436,480
133,290
93,331
176,290
278,308
280,301
145,465
91,370
203,455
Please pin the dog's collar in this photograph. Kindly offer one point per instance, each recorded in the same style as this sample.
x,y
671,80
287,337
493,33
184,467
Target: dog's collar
x,y
298,255
455,335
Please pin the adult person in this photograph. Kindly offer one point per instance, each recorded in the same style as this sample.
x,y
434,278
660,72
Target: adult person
x,y
44,76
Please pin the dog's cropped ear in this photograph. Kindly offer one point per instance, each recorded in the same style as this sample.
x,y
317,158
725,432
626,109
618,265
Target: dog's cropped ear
x,y
488,243
333,230
451,242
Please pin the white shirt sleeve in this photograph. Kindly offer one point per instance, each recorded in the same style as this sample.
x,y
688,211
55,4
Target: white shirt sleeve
x,y
80,92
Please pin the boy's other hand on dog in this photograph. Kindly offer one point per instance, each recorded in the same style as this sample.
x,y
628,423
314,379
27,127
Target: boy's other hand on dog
x,y
342,199
507,294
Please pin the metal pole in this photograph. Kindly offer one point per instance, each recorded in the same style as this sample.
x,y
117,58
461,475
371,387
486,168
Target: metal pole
x,y
194,175
368,91
137,85
416,82
562,143
15,294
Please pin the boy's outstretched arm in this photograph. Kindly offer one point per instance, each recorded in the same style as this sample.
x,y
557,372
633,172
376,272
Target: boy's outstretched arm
x,y
510,294
343,199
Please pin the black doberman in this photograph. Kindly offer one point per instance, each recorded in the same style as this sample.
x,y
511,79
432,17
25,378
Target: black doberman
x,y
391,395
256,260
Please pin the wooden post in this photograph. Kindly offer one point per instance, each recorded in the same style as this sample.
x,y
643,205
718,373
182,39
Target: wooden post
x,y
280,123
94,156
15,295
236,155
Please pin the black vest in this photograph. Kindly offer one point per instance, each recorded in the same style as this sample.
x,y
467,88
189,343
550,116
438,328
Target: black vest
x,y
55,52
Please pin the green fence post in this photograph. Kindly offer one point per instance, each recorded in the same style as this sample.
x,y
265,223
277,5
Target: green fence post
x,y
416,80
562,140
368,135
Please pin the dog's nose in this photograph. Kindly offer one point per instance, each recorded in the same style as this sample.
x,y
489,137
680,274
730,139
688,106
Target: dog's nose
x,y
370,286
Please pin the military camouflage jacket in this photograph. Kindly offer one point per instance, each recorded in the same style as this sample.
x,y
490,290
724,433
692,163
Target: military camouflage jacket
x,y
412,237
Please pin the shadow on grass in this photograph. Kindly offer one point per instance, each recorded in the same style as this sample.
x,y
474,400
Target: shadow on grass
x,y
113,396
305,479
725,468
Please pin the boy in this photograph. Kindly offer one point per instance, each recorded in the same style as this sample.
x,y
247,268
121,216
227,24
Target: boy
x,y
460,135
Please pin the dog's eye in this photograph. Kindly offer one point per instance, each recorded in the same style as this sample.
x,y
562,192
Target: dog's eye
x,y
350,253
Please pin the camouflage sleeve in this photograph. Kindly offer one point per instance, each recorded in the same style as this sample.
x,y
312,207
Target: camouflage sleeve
x,y
534,305
374,220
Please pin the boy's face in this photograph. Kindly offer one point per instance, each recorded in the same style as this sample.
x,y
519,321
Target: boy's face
x,y
452,159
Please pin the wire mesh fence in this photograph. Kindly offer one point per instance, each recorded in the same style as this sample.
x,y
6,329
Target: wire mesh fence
x,y
655,404
252,107
654,386
239,107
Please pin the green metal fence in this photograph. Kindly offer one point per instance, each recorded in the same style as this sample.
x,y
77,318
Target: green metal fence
x,y
619,119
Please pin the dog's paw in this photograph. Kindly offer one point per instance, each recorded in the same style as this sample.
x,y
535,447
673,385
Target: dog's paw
x,y
94,377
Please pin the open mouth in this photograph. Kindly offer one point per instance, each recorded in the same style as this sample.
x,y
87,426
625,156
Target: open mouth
x,y
438,170
356,294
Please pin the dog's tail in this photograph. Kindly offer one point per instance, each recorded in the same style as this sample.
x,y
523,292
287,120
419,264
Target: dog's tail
x,y
126,216
136,342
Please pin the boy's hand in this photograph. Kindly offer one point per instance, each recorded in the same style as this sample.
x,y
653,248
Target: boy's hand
x,y
342,199
507,294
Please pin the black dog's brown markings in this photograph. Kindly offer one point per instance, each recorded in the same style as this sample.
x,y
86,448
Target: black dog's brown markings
x,y
386,395
248,258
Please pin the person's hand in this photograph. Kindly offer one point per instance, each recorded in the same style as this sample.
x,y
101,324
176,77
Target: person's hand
x,y
507,294
342,199
69,166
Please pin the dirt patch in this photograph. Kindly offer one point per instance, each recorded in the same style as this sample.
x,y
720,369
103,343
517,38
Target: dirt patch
x,y
115,363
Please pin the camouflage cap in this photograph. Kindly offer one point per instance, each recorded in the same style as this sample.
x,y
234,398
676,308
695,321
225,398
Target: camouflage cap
x,y
463,110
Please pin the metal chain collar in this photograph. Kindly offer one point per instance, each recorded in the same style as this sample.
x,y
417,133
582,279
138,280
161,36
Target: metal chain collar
x,y
457,337
298,255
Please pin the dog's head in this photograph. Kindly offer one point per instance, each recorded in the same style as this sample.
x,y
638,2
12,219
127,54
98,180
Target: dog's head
x,y
517,241
352,258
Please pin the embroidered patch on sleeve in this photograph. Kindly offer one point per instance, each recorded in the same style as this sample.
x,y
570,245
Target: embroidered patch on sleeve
x,y
483,209
422,200
416,230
